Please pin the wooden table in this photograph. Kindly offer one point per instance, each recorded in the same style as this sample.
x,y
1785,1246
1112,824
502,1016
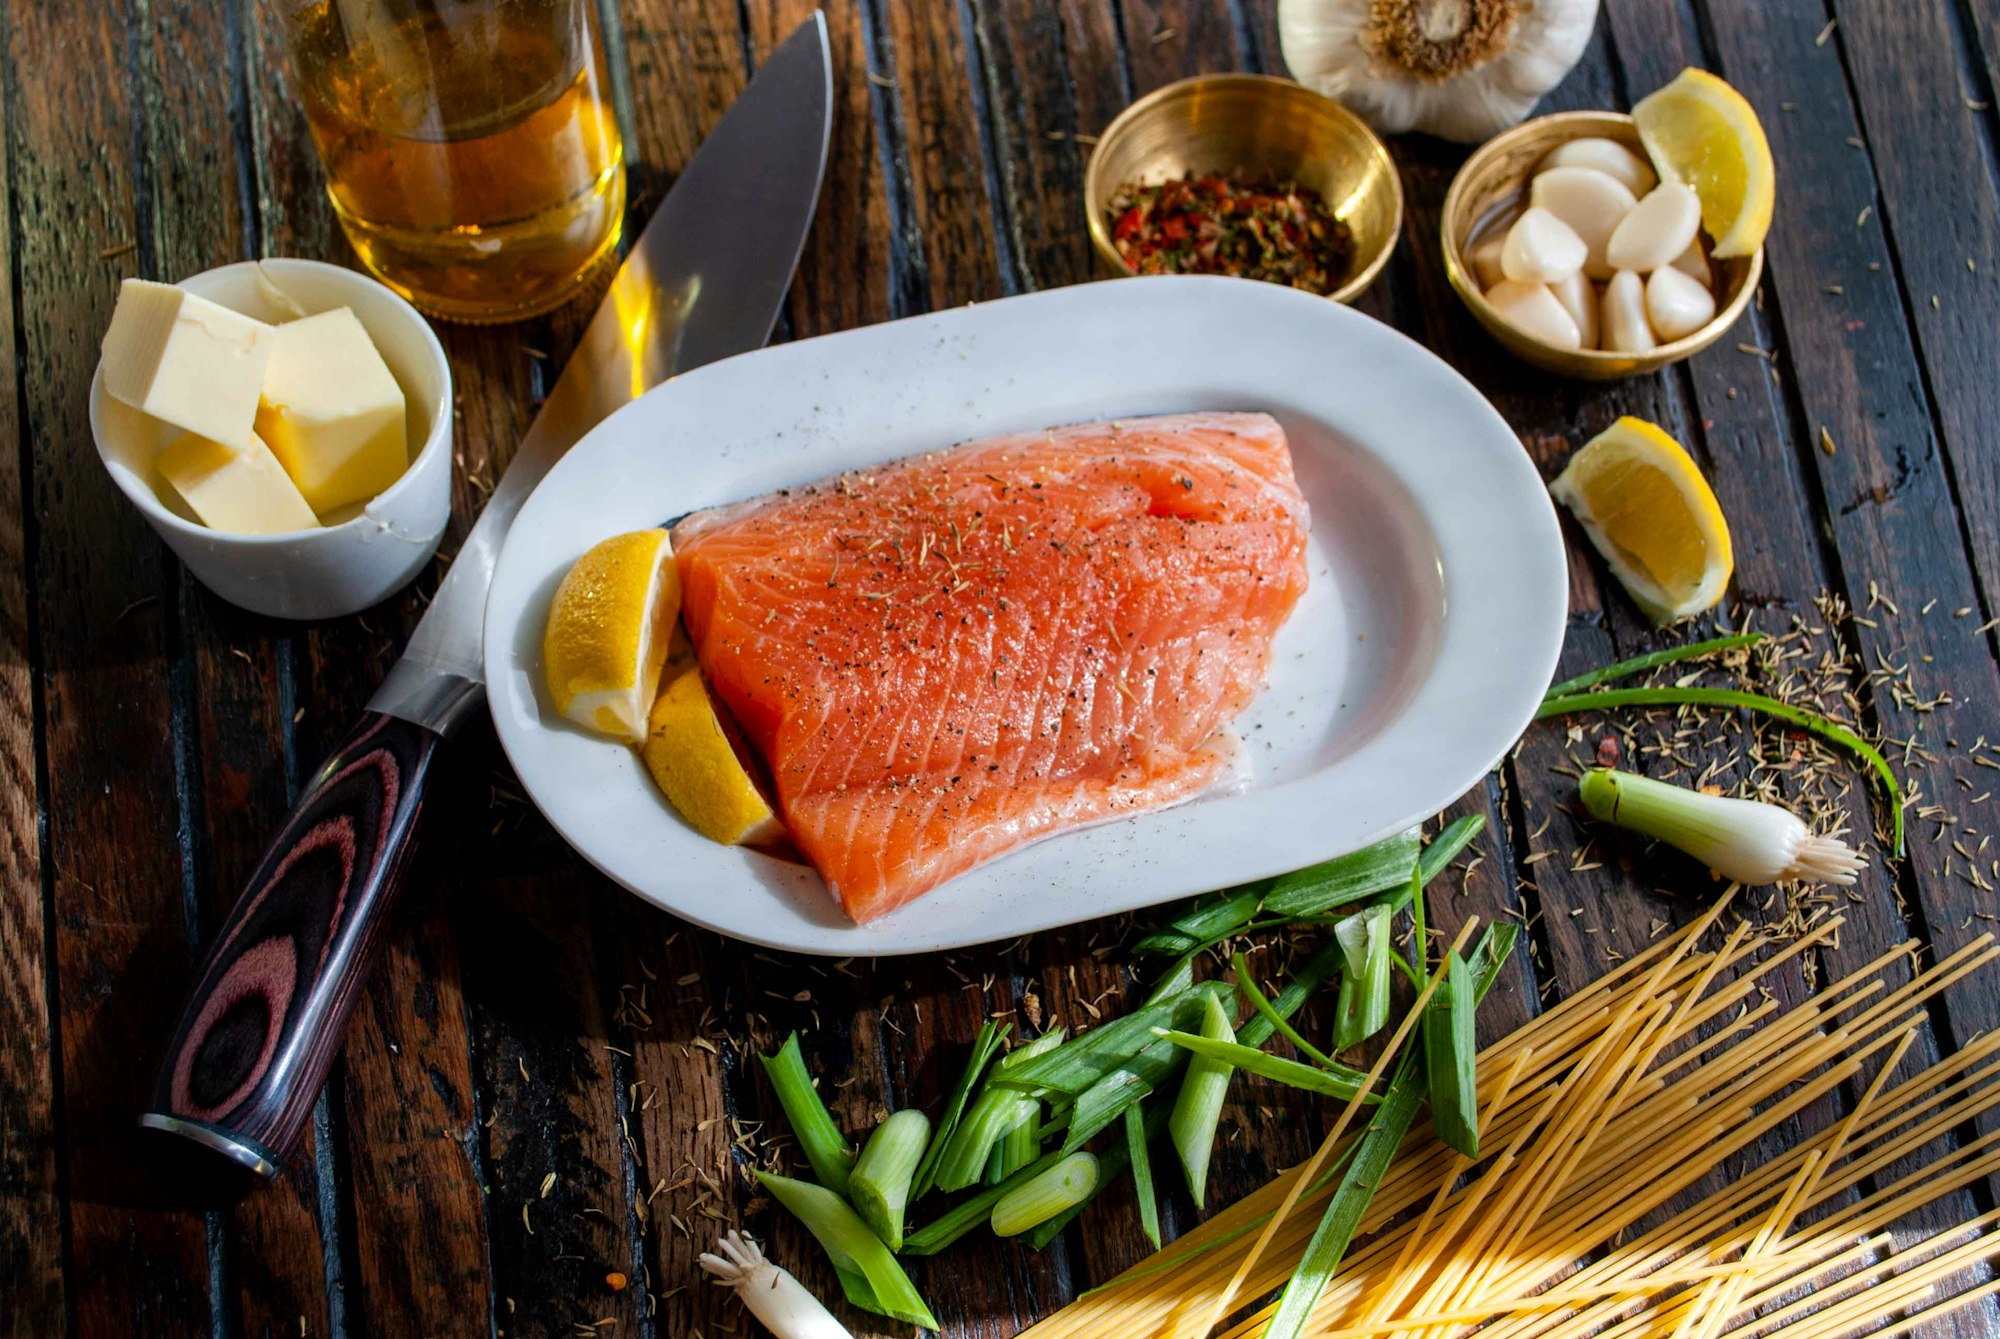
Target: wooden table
x,y
547,1082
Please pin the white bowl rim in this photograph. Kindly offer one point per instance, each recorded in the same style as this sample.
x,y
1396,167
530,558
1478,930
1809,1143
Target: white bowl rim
x,y
161,515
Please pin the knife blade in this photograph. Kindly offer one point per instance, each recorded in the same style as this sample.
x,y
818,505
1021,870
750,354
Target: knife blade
x,y
705,279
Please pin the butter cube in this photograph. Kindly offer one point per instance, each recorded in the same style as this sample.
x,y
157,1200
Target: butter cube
x,y
181,358
332,411
241,490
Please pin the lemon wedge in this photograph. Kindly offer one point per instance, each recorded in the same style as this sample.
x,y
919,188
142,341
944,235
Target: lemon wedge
x,y
1654,518
608,632
1700,131
696,762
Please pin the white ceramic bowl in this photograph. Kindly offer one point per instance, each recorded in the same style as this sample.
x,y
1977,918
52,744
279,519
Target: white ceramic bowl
x,y
337,569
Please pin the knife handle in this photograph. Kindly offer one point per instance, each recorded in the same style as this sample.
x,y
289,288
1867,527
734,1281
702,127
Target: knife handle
x,y
255,1039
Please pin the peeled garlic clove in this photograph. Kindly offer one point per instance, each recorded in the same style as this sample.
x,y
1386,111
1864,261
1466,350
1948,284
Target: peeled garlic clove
x,y
1677,305
1579,298
1592,203
1486,262
1622,323
1541,248
1693,262
1608,156
1657,230
1534,310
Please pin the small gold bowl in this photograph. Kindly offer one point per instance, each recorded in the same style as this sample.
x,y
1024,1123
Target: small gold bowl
x,y
1251,127
1493,184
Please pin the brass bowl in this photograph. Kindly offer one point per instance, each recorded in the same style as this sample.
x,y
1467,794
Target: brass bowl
x,y
1250,127
1493,183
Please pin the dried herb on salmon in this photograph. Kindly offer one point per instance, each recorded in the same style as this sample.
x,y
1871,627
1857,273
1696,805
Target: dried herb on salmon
x,y
1279,232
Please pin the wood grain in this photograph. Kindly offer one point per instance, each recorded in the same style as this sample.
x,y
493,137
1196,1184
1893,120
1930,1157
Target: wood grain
x,y
32,1288
121,956
230,665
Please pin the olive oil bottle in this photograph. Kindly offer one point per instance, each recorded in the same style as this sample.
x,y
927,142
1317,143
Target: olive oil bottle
x,y
471,150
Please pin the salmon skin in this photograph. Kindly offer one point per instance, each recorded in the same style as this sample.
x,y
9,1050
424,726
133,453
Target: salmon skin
x,y
949,656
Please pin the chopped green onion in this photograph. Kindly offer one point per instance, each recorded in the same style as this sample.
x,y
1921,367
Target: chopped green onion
x,y
1180,976
1339,1082
1134,1080
996,1111
1321,968
1824,726
1198,1106
1451,1056
1217,914
825,1147
1364,989
961,1218
1111,1164
852,1247
1016,1149
1350,878
1652,660
1493,949
1045,1194
1745,841
879,1186
1090,1057
1142,1173
984,1046
1377,1145
1420,931
1247,986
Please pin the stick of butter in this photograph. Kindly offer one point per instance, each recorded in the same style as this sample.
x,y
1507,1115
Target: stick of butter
x,y
242,490
181,358
332,411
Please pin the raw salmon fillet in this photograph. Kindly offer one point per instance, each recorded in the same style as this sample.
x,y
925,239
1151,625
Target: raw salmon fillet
x,y
947,657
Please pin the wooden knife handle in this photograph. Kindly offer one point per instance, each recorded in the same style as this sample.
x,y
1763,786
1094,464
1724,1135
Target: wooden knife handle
x,y
256,1038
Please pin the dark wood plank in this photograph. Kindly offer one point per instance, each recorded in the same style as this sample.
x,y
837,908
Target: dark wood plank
x,y
936,128
120,949
1167,40
405,1103
33,1291
1935,182
229,676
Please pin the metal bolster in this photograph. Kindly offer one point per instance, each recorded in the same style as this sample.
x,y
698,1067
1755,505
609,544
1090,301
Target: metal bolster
x,y
244,1152
436,699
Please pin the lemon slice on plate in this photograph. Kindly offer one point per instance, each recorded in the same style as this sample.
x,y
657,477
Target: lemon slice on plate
x,y
1700,131
608,631
1646,507
698,763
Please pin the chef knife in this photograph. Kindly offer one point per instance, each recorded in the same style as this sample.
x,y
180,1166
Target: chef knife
x,y
705,280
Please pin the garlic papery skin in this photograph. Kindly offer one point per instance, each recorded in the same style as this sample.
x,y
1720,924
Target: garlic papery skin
x,y
1462,69
773,1296
1745,841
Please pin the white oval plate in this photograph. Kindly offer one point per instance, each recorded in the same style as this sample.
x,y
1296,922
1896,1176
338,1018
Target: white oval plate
x,y
1422,646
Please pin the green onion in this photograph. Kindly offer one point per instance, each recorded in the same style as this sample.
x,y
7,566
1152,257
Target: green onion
x,y
996,1111
1364,989
1377,1145
1179,976
1045,1194
1247,986
879,1186
1111,1164
1745,841
1321,968
984,1046
1350,878
1198,1106
1420,932
1493,949
1339,1082
1142,1173
1217,914
961,1218
1652,660
853,1249
1451,1056
1824,726
1016,1149
1090,1057
825,1147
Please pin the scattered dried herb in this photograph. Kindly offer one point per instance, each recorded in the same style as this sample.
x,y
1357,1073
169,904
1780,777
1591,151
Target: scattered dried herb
x,y
1279,232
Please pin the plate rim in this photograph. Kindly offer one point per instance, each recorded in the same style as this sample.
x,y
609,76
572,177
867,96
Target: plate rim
x,y
1539,532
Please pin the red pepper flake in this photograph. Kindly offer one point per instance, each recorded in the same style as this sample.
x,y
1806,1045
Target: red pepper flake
x,y
1279,232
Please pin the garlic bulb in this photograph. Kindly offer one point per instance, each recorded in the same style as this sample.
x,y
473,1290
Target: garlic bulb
x,y
1463,69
